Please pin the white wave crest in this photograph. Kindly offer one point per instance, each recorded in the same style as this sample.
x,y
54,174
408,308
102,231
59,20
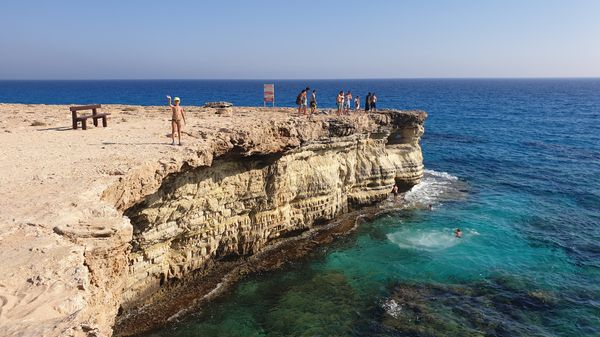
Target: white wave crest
x,y
444,175
434,188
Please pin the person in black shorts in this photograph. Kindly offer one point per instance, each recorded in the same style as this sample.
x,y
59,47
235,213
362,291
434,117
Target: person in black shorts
x,y
373,102
313,102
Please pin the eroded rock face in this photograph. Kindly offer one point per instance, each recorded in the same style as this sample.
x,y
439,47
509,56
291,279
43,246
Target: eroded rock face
x,y
240,182
239,204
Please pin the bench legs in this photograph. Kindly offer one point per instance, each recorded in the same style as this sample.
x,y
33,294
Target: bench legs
x,y
95,121
104,122
83,120
74,118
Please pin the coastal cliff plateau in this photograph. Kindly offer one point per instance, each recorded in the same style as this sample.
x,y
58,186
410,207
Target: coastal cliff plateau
x,y
152,216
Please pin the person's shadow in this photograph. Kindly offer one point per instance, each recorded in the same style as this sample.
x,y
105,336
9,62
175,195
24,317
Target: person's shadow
x,y
148,143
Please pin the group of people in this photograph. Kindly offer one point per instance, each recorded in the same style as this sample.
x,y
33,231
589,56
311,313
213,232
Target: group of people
x,y
301,101
344,102
371,102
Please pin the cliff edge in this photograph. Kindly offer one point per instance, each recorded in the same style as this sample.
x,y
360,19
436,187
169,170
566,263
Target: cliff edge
x,y
97,222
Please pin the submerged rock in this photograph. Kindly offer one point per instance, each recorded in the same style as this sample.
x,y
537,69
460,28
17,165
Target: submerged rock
x,y
473,309
323,306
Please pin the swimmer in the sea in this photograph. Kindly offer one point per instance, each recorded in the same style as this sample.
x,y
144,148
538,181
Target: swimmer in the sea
x,y
458,233
430,207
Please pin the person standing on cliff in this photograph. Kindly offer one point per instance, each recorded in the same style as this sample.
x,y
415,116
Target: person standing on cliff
x,y
313,102
373,102
348,102
357,103
395,191
305,100
368,102
301,100
339,100
176,118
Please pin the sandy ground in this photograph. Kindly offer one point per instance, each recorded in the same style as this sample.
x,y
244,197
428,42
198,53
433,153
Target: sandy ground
x,y
53,176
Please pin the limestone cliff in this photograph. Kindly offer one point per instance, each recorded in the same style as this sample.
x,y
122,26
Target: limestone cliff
x,y
281,181
114,220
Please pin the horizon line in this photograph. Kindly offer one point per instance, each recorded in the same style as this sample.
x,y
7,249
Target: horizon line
x,y
308,79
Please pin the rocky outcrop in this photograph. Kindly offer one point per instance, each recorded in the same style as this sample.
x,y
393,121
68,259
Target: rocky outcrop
x,y
218,105
286,180
115,218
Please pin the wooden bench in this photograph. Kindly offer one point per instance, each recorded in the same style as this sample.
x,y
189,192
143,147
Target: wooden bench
x,y
83,118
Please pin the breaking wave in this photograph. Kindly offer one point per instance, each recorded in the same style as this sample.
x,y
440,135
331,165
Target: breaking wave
x,y
435,188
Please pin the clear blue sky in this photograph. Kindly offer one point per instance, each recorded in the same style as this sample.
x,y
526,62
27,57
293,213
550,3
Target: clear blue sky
x,y
280,39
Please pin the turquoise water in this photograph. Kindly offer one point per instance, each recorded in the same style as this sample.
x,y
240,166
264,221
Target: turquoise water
x,y
514,163
348,288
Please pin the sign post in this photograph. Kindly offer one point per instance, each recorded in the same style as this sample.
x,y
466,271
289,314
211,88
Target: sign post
x,y
269,94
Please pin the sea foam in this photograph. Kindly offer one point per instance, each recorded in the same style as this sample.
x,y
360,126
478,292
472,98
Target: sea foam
x,y
431,240
434,188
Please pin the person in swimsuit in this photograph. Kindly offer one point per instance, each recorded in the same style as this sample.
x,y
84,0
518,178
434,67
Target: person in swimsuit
x,y
313,102
340,102
348,102
177,117
305,99
299,101
357,103
373,102
395,191
458,233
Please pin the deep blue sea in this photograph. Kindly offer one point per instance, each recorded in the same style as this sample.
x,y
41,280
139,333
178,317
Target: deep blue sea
x,y
514,163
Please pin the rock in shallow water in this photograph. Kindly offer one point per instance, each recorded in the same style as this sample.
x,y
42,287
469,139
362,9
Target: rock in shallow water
x,y
475,309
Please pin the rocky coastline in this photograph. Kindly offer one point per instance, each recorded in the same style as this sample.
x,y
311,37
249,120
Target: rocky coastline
x,y
248,191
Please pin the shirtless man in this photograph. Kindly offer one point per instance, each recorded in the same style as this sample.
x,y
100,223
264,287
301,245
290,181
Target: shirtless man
x,y
395,191
178,115
348,102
